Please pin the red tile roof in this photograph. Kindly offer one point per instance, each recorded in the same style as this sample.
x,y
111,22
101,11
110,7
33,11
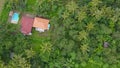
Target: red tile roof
x,y
26,24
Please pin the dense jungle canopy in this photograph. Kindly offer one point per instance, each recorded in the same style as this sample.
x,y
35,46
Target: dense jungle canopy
x,y
79,31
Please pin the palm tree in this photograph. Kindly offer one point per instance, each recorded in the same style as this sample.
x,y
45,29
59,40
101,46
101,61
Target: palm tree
x,y
83,35
65,15
46,47
19,61
90,26
84,48
71,6
81,15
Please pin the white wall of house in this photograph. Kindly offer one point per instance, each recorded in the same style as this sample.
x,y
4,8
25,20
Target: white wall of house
x,y
39,29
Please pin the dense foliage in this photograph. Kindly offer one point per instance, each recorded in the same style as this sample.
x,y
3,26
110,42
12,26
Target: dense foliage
x,y
76,38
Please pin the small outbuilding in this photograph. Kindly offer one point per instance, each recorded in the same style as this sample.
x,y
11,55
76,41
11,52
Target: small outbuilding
x,y
106,44
26,25
41,24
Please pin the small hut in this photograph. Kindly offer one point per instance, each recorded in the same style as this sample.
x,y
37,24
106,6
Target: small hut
x,y
106,44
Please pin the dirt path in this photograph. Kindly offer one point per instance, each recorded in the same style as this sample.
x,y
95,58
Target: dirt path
x,y
1,4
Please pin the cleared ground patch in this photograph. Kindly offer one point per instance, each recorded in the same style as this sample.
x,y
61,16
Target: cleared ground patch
x,y
1,4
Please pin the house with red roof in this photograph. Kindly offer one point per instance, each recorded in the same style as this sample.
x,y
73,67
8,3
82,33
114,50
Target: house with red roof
x,y
26,24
